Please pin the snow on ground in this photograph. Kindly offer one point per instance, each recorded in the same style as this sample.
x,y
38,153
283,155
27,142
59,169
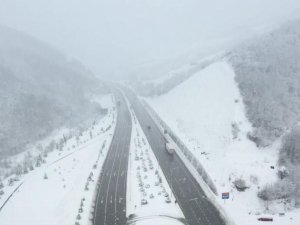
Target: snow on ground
x,y
185,71
207,113
146,182
35,149
61,190
105,101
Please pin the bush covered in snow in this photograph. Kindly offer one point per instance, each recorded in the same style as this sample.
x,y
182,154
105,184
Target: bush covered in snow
x,y
268,75
290,149
283,189
288,185
240,184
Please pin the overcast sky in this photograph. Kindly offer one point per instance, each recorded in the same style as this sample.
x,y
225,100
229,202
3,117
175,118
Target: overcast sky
x,y
112,36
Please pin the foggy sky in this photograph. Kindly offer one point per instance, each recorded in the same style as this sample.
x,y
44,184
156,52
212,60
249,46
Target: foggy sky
x,y
113,36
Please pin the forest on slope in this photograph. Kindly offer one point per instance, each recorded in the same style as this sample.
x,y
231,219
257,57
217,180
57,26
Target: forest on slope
x,y
40,91
268,74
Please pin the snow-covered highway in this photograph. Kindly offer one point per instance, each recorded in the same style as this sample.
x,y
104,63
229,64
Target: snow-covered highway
x,y
110,208
196,207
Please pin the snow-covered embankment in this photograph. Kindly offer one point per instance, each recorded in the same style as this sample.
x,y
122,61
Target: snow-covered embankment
x,y
61,190
207,113
149,197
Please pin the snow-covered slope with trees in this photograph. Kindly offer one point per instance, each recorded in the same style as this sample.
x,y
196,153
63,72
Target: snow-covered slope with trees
x,y
240,117
60,184
40,90
207,112
268,72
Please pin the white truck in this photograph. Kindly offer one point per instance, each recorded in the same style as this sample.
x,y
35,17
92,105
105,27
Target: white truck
x,y
170,148
118,102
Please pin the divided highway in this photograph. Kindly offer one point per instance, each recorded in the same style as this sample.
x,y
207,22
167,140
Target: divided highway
x,y
197,209
110,208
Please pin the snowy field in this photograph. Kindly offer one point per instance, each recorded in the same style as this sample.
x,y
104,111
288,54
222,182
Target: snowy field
x,y
149,196
60,191
207,113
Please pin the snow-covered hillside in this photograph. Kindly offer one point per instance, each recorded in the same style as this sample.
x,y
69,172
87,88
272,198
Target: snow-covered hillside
x,y
172,77
41,90
61,189
207,113
268,73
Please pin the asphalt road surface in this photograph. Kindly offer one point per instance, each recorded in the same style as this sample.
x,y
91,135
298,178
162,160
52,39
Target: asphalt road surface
x,y
197,209
110,208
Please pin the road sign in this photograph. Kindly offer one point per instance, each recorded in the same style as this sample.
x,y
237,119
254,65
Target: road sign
x,y
225,195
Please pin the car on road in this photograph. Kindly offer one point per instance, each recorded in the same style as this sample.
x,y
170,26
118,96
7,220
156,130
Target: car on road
x,y
118,102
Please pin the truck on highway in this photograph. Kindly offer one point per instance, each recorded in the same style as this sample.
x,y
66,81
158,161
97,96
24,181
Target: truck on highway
x,y
118,102
170,148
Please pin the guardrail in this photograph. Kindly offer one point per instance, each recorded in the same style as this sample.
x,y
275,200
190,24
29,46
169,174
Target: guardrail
x,y
11,195
187,153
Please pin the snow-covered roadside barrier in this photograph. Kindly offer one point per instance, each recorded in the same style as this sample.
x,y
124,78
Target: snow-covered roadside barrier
x,y
190,162
60,190
149,197
182,149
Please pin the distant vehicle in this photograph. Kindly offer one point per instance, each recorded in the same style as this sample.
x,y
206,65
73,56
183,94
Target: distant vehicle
x,y
267,219
149,127
170,148
118,102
